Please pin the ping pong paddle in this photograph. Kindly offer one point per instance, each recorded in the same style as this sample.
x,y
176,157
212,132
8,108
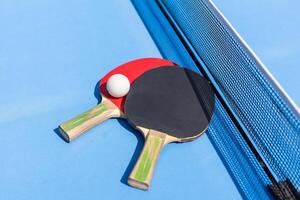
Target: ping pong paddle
x,y
109,106
166,104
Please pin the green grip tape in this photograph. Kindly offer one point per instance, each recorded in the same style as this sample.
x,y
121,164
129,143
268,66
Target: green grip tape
x,y
148,158
80,119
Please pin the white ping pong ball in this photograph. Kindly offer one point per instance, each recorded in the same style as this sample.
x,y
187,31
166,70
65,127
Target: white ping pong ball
x,y
118,85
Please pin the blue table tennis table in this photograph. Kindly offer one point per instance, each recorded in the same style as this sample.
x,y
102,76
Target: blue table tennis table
x,y
53,53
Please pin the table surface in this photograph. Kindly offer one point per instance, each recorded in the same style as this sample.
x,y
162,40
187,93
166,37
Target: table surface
x,y
52,55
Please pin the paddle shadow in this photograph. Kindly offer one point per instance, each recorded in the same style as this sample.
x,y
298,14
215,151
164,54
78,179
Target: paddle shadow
x,y
58,133
138,149
97,93
124,124
139,138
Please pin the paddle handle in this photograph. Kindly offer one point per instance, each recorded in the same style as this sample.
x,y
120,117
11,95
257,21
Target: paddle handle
x,y
76,126
142,172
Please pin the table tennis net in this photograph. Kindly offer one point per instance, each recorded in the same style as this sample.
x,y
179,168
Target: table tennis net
x,y
266,115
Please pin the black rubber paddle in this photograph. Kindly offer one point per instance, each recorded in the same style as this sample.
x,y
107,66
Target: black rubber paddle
x,y
166,104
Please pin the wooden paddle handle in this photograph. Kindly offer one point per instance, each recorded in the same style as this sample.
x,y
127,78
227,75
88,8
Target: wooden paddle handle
x,y
142,172
76,126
